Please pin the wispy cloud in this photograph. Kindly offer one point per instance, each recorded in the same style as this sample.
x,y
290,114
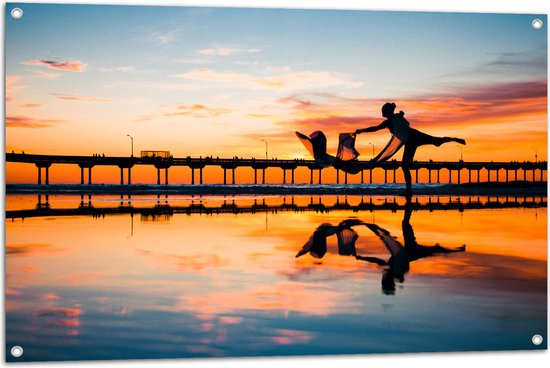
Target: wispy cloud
x,y
46,75
488,103
76,98
72,66
12,86
196,61
511,91
163,38
474,112
29,122
200,61
195,111
198,111
456,106
510,64
31,105
282,79
261,116
227,51
121,69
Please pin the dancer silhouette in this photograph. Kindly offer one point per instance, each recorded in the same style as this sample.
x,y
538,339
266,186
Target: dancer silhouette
x,y
403,135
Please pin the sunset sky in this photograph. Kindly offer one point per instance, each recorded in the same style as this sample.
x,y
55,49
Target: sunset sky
x,y
216,81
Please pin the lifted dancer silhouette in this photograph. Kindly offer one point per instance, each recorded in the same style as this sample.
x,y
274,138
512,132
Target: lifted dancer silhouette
x,y
403,135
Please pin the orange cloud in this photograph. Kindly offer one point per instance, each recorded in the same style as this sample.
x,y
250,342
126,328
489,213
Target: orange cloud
x,y
195,111
486,104
72,66
80,98
198,111
46,75
11,88
489,103
28,122
51,297
507,109
31,105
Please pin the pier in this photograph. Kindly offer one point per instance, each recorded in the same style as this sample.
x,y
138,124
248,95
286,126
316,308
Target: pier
x,y
438,171
163,210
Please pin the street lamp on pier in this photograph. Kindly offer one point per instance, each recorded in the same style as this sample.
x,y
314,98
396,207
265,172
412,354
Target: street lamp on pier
x,y
536,154
263,140
372,149
132,143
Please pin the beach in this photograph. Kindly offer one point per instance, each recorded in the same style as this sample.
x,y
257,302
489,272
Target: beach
x,y
515,188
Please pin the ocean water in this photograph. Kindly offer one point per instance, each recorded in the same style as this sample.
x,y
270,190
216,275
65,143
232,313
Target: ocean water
x,y
180,276
388,189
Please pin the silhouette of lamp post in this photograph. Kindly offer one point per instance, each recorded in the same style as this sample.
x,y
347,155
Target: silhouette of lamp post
x,y
372,149
263,140
132,140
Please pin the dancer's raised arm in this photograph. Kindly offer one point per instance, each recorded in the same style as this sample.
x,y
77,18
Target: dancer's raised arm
x,y
375,128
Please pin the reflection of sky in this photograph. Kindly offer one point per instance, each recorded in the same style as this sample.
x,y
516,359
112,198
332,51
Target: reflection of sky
x,y
229,285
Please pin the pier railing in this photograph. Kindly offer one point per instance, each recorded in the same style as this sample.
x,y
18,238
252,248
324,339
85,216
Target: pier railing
x,y
514,170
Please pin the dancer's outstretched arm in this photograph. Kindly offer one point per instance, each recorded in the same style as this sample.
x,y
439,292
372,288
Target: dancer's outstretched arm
x,y
375,128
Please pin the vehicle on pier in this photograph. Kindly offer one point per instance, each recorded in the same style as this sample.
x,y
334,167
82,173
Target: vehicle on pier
x,y
161,154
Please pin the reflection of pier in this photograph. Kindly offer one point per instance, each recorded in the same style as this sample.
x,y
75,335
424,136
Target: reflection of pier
x,y
164,211
513,170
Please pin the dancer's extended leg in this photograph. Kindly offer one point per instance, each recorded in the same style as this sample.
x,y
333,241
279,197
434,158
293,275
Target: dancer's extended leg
x,y
420,139
441,140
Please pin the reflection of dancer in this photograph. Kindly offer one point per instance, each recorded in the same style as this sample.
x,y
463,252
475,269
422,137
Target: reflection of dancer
x,y
401,256
403,135
317,243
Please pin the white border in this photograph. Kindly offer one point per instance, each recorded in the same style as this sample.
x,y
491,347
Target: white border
x,y
476,6
448,360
